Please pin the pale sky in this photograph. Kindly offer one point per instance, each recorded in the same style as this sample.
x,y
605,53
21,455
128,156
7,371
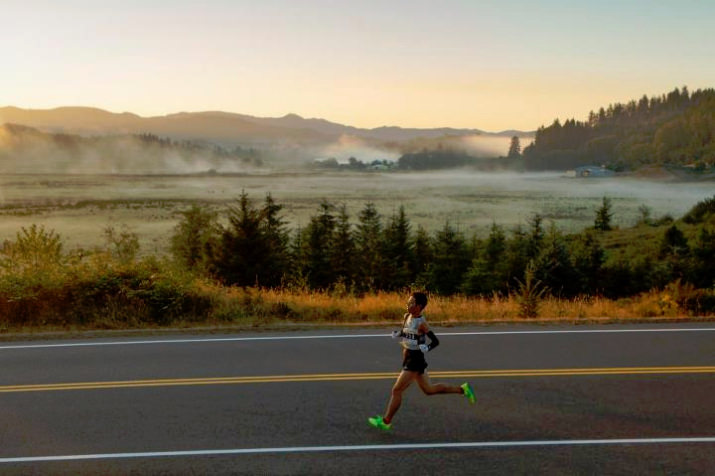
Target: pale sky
x,y
491,65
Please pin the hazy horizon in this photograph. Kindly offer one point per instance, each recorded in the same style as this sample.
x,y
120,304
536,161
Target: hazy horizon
x,y
461,64
243,113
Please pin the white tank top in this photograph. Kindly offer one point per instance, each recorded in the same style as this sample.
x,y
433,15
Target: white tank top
x,y
411,338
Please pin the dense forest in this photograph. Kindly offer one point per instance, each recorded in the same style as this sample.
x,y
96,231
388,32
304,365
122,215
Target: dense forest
x,y
676,129
673,130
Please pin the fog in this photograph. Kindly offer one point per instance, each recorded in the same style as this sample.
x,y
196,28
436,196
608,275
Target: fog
x,y
106,155
351,146
468,200
481,146
28,150
472,201
558,184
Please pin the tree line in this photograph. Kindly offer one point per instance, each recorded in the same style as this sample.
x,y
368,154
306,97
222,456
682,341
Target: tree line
x,y
254,247
677,128
247,155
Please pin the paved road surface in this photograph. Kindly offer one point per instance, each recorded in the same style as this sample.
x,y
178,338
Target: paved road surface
x,y
550,400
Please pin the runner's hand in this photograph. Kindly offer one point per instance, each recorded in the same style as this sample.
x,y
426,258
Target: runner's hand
x,y
396,334
424,348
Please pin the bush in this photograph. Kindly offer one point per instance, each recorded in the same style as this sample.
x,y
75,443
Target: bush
x,y
701,211
103,293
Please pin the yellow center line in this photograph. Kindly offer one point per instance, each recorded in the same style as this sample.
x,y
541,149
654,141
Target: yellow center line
x,y
47,387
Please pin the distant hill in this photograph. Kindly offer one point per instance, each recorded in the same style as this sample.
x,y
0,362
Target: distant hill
x,y
674,130
25,149
223,128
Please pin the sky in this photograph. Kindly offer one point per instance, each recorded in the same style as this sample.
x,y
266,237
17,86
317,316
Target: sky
x,y
490,65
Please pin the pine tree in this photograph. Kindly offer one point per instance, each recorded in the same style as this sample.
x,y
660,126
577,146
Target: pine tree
x,y
702,270
514,148
603,216
369,242
243,250
536,236
423,256
517,255
318,243
343,255
274,232
553,265
588,258
449,263
398,252
487,273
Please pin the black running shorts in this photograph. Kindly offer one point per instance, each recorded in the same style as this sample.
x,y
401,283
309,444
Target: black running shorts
x,y
414,361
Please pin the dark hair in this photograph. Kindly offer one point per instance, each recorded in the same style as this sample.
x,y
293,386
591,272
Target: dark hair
x,y
420,299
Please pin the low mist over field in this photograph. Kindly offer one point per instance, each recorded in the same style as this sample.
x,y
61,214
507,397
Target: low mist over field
x,y
79,207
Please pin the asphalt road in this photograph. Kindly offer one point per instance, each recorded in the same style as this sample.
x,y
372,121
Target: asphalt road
x,y
550,400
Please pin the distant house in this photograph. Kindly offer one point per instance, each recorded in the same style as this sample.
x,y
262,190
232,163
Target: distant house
x,y
382,165
590,171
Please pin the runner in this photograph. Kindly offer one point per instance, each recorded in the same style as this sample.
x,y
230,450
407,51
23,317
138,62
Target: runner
x,y
414,346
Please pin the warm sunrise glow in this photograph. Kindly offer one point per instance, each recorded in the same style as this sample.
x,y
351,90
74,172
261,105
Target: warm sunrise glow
x,y
471,64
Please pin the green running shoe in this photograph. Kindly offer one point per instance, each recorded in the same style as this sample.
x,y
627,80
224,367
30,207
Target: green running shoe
x,y
377,422
468,392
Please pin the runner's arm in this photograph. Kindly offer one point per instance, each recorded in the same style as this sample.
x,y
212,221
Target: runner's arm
x,y
434,342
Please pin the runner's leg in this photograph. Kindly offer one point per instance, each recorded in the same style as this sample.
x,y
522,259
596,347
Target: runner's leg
x,y
434,388
403,381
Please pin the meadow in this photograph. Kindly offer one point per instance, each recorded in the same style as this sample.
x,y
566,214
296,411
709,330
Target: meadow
x,y
80,207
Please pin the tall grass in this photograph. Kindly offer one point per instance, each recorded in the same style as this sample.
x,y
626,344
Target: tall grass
x,y
125,298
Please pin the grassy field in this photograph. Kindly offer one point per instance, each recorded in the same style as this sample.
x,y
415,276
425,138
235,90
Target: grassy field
x,y
79,207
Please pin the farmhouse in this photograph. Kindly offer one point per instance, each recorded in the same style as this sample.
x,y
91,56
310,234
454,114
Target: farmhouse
x,y
590,171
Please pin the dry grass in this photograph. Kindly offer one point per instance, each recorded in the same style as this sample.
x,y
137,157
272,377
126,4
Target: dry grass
x,y
299,306
140,296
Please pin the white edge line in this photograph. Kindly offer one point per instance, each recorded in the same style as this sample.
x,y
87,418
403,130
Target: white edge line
x,y
316,449
343,336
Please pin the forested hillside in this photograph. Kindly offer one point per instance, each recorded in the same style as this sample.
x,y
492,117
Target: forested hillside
x,y
675,129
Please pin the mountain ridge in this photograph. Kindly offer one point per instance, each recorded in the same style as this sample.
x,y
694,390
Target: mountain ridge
x,y
220,126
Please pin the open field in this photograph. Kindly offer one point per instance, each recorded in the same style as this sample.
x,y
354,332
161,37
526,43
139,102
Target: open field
x,y
79,207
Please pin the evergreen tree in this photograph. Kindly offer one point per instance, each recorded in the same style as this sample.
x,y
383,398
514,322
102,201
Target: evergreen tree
x,y
702,270
674,251
343,253
517,255
318,241
536,236
603,216
274,232
423,256
514,148
488,272
298,259
674,243
449,264
553,266
244,250
368,240
398,252
588,257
